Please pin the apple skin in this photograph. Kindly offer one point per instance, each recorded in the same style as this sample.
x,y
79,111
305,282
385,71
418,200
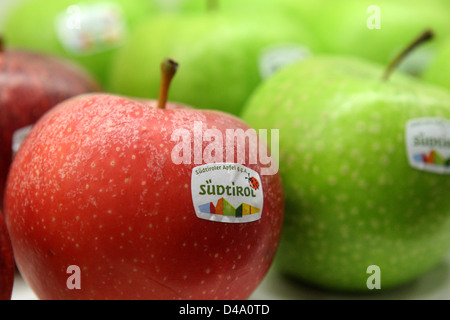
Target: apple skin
x,y
219,52
189,6
352,199
94,185
7,266
20,30
438,72
30,84
341,28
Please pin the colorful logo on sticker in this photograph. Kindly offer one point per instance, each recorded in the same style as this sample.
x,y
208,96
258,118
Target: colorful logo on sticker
x,y
227,192
225,208
433,157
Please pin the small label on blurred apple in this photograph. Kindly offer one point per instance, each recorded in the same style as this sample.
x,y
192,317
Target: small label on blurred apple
x,y
169,5
18,137
416,62
86,29
428,144
227,192
274,58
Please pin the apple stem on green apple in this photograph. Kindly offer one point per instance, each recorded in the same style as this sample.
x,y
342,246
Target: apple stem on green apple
x,y
168,69
424,36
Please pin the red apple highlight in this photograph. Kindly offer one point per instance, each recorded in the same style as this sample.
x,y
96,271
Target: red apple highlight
x,y
97,209
31,84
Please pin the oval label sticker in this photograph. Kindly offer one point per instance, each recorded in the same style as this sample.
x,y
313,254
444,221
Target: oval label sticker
x,y
227,192
428,144
275,57
85,29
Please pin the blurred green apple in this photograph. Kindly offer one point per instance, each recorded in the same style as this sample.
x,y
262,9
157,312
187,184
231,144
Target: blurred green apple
x,y
88,31
438,71
224,56
375,29
189,6
365,165
186,6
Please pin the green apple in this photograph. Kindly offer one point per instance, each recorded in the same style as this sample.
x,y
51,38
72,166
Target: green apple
x,y
189,6
375,29
88,31
362,164
186,6
438,71
305,12
224,56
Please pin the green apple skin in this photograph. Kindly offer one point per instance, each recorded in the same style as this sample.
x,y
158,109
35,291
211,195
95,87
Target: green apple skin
x,y
195,6
438,72
31,25
342,27
219,55
352,199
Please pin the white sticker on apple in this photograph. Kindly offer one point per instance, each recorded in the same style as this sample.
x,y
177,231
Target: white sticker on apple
x,y
416,62
86,29
227,192
18,137
275,57
428,144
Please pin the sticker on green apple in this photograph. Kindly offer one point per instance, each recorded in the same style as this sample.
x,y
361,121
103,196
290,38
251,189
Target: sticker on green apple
x,y
227,192
85,29
428,144
275,57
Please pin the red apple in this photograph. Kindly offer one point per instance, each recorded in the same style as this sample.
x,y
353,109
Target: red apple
x,y
95,187
7,267
30,84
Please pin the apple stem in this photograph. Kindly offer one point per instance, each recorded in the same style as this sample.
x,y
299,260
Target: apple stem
x,y
212,5
168,69
425,36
